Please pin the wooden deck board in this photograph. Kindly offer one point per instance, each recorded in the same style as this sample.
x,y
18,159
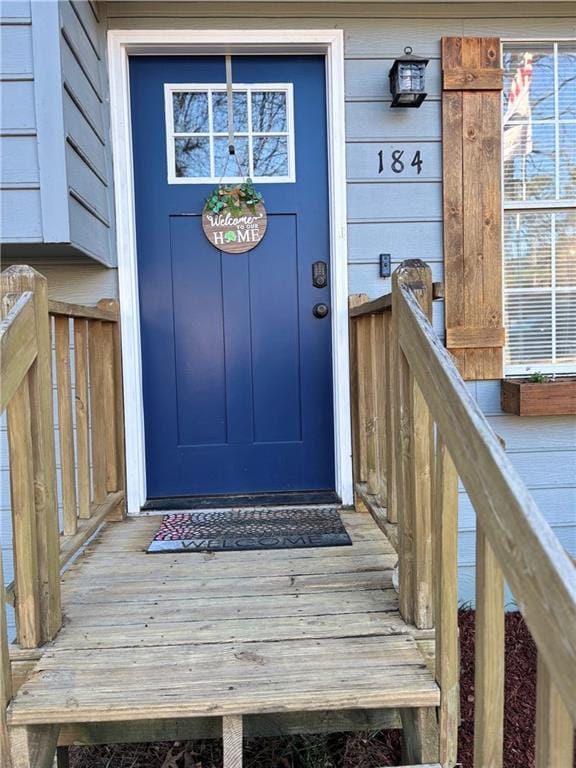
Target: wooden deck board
x,y
190,635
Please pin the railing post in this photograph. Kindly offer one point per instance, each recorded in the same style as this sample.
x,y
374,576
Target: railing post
x,y
17,279
414,442
24,520
115,468
357,394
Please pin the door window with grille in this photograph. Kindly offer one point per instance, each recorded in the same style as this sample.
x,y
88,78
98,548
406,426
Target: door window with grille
x,y
539,159
197,133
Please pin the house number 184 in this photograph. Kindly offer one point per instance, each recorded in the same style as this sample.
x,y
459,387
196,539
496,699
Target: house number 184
x,y
398,163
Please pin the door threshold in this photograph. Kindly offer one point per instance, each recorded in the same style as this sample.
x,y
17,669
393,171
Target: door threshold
x,y
226,501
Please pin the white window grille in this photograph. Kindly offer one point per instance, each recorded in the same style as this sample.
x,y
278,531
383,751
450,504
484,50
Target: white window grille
x,y
539,181
197,133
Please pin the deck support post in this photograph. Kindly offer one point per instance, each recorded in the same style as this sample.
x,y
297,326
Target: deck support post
x,y
232,727
33,746
419,735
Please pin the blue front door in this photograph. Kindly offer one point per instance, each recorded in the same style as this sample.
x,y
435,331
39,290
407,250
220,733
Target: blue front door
x,y
237,370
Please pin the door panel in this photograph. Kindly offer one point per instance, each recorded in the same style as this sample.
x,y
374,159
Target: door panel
x,y
237,372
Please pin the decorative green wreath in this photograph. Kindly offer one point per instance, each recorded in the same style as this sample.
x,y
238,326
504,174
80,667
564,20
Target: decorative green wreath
x,y
233,198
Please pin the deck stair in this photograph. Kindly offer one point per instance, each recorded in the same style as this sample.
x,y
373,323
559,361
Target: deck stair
x,y
192,635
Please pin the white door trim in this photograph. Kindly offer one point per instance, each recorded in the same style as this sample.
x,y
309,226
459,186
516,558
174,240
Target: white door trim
x,y
124,43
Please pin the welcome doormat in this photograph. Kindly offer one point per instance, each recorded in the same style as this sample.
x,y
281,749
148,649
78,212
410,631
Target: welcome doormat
x,y
246,529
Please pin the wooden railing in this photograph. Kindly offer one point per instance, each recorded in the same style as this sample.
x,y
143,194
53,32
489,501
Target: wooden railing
x,y
416,429
89,433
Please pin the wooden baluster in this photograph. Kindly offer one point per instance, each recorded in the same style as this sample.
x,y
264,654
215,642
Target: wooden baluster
x,y
361,347
554,727
379,354
5,679
110,444
368,369
119,411
82,426
19,279
354,396
414,476
445,518
422,469
24,522
65,424
403,440
489,656
97,410
391,417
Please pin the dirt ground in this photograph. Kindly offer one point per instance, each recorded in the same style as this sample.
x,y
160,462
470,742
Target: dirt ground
x,y
363,750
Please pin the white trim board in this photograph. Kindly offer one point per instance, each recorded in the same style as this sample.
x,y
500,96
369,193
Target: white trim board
x,y
124,43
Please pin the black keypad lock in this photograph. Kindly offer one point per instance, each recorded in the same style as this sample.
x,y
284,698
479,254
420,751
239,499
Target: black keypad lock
x,y
319,274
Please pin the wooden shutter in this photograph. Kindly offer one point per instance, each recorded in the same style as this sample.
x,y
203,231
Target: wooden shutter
x,y
471,139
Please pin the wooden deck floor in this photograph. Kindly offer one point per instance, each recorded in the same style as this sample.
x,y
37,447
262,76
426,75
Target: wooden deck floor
x,y
190,635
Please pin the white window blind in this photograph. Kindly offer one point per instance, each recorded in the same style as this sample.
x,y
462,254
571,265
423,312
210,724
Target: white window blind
x,y
539,158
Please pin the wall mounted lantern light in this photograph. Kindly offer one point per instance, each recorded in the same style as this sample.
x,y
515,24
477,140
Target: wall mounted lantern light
x,y
407,80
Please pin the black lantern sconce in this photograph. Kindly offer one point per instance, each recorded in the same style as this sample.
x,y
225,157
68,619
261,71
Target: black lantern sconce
x,y
407,80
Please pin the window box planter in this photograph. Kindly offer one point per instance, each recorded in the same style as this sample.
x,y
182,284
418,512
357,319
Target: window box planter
x,y
544,398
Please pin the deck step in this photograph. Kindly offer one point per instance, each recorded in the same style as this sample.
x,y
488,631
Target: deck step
x,y
172,636
107,685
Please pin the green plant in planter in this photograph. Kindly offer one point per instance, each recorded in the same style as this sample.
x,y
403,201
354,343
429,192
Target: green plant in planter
x,y
538,378
233,198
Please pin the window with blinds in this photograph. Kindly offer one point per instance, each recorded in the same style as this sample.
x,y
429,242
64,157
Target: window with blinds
x,y
539,181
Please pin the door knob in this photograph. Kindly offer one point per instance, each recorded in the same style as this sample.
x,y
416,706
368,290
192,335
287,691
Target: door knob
x,y
320,310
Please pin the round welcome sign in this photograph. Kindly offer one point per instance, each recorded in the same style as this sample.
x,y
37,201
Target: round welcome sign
x,y
233,232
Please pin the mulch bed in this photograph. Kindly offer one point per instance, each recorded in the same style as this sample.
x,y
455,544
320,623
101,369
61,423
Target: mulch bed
x,y
363,750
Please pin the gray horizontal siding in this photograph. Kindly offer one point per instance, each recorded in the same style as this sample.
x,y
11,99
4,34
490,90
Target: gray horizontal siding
x,y
405,240
88,184
15,10
54,130
16,49
373,120
17,114
86,121
20,211
411,201
18,160
81,135
21,204
87,231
